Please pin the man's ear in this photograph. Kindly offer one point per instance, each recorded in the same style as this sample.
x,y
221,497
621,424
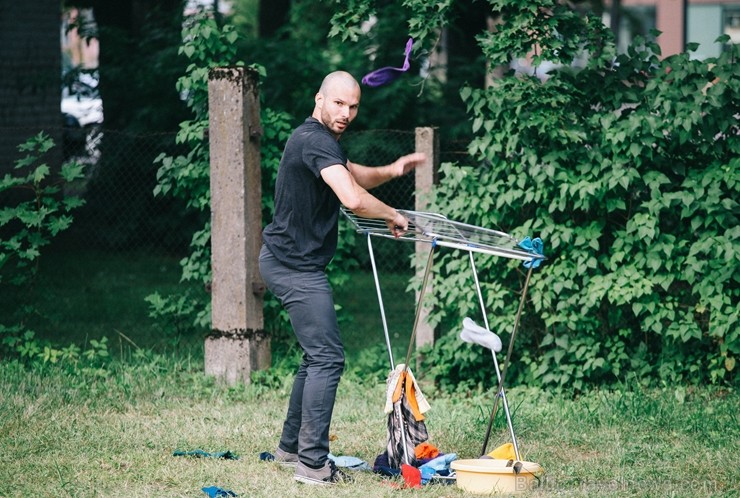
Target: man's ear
x,y
318,99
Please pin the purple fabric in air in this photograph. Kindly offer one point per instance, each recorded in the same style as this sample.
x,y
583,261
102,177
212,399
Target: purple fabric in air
x,y
387,74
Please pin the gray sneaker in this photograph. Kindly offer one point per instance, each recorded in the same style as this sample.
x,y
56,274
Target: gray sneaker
x,y
285,458
327,475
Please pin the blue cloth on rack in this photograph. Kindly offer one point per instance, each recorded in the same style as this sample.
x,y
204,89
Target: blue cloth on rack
x,y
534,246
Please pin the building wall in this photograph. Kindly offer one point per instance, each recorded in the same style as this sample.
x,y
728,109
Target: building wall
x,y
704,26
704,23
30,75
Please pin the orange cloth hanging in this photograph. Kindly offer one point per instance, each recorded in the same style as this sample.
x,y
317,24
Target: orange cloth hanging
x,y
407,380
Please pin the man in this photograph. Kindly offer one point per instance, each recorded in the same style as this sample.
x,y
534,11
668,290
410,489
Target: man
x,y
314,178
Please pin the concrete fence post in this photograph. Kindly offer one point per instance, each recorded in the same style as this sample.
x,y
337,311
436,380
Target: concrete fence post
x,y
238,343
427,141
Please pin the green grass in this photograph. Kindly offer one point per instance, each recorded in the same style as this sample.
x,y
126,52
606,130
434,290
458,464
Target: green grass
x,y
111,432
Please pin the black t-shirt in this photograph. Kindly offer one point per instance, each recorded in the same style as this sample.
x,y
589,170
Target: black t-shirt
x,y
303,232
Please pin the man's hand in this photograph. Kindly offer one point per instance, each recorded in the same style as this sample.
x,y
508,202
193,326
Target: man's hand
x,y
398,226
406,163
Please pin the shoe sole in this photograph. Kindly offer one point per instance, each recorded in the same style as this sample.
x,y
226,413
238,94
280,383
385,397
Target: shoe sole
x,y
312,481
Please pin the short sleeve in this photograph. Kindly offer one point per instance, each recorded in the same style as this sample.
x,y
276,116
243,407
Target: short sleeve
x,y
322,151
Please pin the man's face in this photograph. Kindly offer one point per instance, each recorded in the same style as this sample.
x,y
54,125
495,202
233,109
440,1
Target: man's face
x,y
339,107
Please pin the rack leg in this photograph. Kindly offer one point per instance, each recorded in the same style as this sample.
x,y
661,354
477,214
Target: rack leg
x,y
427,271
380,300
507,360
502,392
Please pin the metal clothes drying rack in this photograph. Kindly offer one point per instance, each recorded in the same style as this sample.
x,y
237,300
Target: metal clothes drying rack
x,y
439,231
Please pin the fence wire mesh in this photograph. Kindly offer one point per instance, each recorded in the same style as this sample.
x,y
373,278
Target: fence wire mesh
x,y
360,305
126,244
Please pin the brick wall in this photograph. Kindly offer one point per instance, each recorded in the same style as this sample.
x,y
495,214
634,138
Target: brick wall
x,y
30,75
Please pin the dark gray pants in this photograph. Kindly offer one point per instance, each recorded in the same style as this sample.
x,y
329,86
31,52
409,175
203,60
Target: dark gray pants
x,y
307,297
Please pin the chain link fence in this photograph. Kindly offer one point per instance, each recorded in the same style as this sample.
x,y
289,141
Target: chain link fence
x,y
358,301
126,244
121,213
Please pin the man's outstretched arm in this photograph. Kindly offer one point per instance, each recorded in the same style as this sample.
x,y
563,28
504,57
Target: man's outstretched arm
x,y
371,176
358,200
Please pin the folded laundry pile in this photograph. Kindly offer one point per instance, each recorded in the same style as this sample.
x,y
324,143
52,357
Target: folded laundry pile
x,y
428,463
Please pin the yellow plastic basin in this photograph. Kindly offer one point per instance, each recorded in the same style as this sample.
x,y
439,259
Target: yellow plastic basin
x,y
489,476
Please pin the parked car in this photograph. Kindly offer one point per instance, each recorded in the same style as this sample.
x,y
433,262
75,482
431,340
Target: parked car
x,y
81,98
82,115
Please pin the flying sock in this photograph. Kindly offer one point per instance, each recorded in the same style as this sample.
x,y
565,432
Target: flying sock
x,y
475,334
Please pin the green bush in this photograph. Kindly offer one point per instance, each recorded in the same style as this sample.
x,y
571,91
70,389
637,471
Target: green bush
x,y
628,169
629,172
40,212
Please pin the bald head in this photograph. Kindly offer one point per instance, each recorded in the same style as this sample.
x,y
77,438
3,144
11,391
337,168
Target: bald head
x,y
337,101
337,80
